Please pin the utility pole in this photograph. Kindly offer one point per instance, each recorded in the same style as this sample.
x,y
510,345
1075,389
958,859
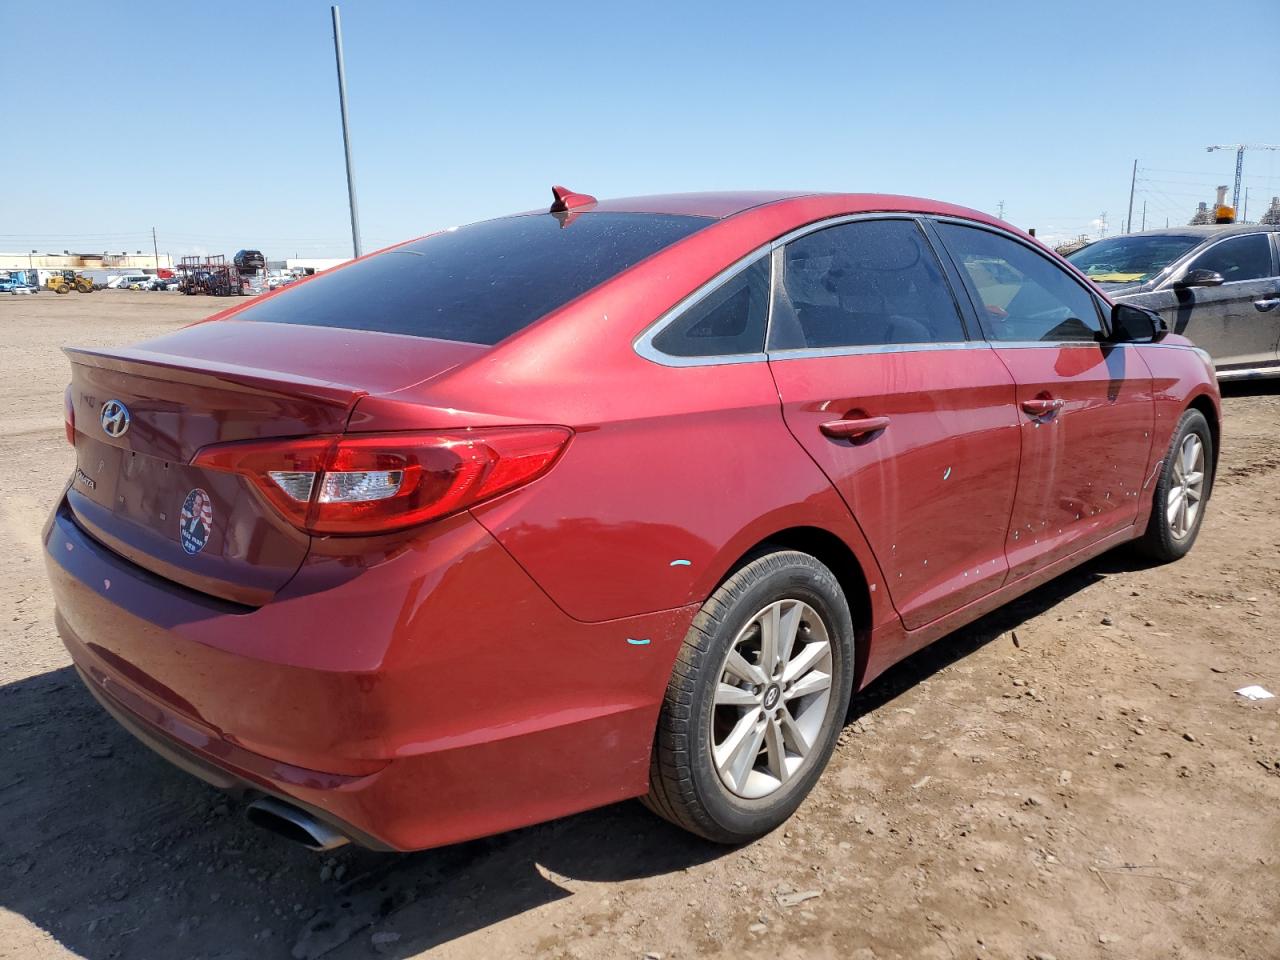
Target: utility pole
x,y
1133,182
1144,214
155,248
1000,210
1102,220
1240,148
1244,214
346,132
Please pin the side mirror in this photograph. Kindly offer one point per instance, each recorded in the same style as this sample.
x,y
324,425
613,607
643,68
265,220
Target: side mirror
x,y
1200,278
1130,324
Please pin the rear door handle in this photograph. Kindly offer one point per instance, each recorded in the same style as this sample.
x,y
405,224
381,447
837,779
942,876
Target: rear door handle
x,y
1042,406
1268,304
851,429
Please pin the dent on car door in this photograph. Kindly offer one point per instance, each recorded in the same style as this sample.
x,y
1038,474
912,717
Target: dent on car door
x,y
1238,321
911,421
1085,406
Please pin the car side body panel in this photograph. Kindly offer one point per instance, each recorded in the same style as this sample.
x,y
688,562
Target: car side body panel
x,y
1181,377
1082,466
1223,320
933,490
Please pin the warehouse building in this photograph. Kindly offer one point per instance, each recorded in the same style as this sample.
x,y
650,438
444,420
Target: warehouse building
x,y
66,260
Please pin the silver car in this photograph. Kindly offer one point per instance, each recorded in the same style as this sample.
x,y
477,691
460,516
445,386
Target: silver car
x,y
1218,285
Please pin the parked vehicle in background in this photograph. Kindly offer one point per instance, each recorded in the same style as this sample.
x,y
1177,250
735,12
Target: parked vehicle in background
x,y
280,280
127,280
250,261
1217,285
65,281
620,499
16,282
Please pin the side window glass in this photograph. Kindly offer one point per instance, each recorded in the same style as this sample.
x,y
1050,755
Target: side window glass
x,y
729,320
1240,258
866,283
1022,295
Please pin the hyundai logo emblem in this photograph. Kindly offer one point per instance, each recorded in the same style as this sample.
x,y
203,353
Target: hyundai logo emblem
x,y
115,418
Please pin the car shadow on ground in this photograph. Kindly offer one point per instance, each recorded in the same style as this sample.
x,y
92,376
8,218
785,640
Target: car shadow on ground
x,y
118,855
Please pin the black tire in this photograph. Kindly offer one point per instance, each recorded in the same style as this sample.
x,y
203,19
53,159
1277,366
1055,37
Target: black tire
x,y
1159,542
684,786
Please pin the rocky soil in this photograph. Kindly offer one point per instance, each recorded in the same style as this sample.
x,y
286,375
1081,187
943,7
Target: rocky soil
x,y
1071,777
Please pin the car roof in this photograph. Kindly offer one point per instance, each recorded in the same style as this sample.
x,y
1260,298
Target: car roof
x,y
722,204
1206,231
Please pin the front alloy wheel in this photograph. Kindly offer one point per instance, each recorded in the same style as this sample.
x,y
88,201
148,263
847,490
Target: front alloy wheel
x,y
1182,492
1182,508
756,700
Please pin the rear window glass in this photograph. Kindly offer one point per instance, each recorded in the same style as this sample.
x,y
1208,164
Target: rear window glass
x,y
730,320
479,283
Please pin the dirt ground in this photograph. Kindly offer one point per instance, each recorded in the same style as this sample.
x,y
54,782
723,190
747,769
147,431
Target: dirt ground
x,y
1071,777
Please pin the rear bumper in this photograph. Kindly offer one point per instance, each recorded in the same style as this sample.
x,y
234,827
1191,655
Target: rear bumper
x,y
429,696
225,777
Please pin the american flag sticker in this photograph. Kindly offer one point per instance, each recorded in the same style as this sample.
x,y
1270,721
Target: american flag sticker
x,y
195,523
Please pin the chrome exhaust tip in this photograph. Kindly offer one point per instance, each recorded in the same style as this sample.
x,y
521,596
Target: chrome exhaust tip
x,y
293,823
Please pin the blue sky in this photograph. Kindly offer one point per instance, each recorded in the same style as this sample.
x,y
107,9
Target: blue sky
x,y
219,124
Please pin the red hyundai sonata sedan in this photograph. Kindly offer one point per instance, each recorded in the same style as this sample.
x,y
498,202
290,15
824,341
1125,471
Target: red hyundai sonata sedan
x,y
619,499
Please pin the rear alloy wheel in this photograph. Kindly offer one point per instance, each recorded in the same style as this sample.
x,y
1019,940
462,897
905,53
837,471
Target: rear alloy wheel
x,y
1182,491
756,700
771,699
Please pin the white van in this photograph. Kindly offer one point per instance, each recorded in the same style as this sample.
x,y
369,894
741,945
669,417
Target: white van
x,y
124,281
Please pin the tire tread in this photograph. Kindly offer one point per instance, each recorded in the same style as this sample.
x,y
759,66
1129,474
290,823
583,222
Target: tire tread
x,y
672,794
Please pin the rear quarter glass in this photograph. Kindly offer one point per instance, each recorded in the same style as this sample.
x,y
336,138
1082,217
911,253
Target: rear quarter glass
x,y
480,283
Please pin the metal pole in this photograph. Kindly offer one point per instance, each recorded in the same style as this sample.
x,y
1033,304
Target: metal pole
x,y
1128,228
1235,199
155,249
1244,214
346,133
1144,214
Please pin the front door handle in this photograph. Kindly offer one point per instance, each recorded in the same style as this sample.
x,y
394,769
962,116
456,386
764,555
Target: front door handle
x,y
1042,406
854,428
1268,304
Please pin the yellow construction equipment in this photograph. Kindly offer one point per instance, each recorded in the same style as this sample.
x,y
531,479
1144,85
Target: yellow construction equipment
x,y
68,280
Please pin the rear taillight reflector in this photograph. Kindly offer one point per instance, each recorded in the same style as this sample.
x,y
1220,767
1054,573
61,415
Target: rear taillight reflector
x,y
375,483
69,416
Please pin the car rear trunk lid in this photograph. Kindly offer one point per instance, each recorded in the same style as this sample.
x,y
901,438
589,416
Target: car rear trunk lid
x,y
134,488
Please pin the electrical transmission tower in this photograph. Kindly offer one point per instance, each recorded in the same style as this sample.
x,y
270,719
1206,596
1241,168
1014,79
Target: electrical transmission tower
x,y
1240,148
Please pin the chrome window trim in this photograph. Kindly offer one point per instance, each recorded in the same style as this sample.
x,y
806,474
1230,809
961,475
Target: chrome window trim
x,y
643,343
800,353
1054,344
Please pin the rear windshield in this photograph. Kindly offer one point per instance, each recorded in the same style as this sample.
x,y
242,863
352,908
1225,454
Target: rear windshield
x,y
479,283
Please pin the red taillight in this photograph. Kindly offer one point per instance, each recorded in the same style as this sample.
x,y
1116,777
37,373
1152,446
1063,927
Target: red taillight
x,y
376,483
69,416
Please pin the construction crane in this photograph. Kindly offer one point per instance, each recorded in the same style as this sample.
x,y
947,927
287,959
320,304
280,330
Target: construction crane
x,y
1240,148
